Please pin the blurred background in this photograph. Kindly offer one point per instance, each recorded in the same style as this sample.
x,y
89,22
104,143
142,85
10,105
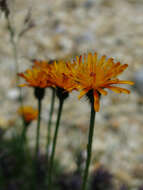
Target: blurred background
x,y
62,29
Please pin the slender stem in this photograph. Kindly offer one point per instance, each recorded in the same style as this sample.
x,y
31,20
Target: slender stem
x,y
89,147
38,128
36,159
50,121
54,143
23,142
12,34
23,135
15,53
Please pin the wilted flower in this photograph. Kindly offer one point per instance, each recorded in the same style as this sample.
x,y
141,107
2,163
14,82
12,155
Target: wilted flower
x,y
95,75
28,113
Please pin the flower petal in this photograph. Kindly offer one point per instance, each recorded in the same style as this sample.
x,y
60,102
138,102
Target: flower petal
x,y
125,82
23,85
82,93
117,81
102,91
118,89
96,101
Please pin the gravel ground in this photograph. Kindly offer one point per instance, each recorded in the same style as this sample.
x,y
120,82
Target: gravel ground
x,y
63,29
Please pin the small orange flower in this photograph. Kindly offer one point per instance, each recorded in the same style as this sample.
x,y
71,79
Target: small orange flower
x,y
28,113
60,75
93,74
35,77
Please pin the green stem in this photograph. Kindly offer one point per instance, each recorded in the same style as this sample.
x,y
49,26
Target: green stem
x,y
23,136
36,159
54,143
12,34
38,128
50,121
89,148
14,45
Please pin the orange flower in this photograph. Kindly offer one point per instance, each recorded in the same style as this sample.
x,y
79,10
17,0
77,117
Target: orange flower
x,y
60,75
95,74
28,113
35,77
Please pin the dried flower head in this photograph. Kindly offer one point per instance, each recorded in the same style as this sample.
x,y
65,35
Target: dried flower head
x,y
92,74
35,77
28,113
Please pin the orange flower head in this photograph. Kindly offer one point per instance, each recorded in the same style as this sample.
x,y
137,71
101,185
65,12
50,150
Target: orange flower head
x,y
28,113
60,75
35,77
93,74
